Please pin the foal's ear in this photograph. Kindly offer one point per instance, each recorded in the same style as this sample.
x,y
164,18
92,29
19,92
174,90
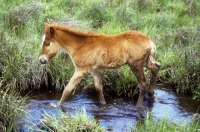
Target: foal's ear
x,y
52,31
49,28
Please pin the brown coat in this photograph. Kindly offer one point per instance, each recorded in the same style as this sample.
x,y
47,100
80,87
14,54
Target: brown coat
x,y
91,52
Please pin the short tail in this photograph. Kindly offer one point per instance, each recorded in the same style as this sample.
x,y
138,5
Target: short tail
x,y
154,67
151,62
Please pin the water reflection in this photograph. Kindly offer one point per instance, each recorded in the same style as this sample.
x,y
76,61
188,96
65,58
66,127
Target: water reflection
x,y
117,114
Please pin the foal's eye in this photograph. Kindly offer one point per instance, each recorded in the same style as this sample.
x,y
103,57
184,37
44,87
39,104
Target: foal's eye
x,y
47,44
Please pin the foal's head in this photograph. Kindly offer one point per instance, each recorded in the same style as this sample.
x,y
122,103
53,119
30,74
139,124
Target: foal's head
x,y
50,46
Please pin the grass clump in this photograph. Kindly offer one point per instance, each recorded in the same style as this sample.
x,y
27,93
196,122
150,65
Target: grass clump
x,y
125,84
96,12
63,123
164,124
12,108
174,25
18,50
181,61
23,14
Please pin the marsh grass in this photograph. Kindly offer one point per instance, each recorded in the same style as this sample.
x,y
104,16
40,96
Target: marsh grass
x,y
124,79
63,123
173,25
81,122
96,12
12,108
165,124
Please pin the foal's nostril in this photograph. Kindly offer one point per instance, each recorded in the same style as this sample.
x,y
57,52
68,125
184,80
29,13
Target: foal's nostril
x,y
43,61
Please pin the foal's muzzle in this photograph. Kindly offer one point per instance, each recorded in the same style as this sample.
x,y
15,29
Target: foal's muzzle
x,y
43,59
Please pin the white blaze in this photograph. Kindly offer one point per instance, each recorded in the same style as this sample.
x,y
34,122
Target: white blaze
x,y
43,38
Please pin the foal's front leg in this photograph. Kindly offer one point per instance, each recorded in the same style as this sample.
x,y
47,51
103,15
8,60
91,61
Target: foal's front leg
x,y
76,78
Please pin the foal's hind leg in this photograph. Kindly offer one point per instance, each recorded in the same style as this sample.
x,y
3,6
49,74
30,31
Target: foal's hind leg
x,y
154,68
98,85
142,83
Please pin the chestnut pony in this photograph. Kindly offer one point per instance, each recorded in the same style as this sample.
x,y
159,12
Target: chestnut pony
x,y
91,52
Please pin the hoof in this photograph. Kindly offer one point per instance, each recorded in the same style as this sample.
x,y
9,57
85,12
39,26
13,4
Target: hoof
x,y
151,98
102,102
141,112
59,104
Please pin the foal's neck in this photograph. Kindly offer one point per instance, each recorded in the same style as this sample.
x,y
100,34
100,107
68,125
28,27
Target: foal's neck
x,y
70,39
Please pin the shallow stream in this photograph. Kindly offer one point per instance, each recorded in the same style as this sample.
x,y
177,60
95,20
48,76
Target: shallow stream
x,y
117,115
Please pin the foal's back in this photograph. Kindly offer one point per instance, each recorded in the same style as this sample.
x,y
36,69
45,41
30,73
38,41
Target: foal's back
x,y
112,51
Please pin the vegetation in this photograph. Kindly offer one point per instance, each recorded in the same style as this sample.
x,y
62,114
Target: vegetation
x,y
174,25
79,122
165,125
12,108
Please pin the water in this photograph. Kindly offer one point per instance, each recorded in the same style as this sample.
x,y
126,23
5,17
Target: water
x,y
118,114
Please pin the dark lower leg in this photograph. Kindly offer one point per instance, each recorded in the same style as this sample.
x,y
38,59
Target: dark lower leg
x,y
142,82
101,97
143,89
98,86
154,73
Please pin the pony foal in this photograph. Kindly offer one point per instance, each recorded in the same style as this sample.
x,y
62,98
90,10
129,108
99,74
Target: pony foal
x,y
92,52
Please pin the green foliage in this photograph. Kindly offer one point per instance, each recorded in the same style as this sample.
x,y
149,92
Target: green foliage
x,y
64,123
174,25
181,61
96,12
125,84
164,124
60,71
12,108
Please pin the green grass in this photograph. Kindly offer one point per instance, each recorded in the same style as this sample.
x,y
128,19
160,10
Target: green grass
x,y
79,122
174,25
12,109
164,124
